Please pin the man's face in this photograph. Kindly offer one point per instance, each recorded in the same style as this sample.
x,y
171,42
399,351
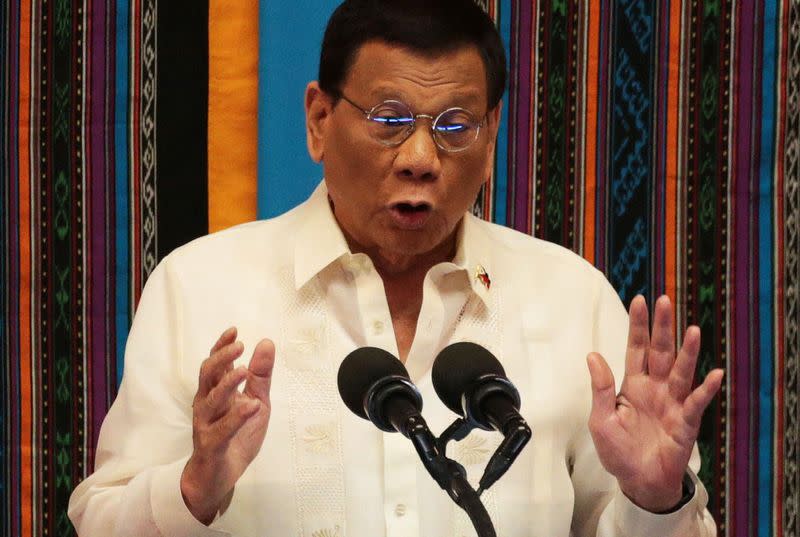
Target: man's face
x,y
405,200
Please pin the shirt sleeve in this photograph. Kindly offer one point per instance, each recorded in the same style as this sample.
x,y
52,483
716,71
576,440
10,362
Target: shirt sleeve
x,y
601,509
146,437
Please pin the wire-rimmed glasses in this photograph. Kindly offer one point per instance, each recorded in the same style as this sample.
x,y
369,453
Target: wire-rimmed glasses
x,y
392,122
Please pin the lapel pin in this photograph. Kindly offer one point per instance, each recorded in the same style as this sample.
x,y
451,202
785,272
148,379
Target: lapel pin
x,y
482,276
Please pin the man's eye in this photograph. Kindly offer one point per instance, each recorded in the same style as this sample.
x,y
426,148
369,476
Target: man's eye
x,y
392,121
453,128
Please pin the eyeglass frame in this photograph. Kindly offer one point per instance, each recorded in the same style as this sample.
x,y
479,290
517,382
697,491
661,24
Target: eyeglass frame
x,y
368,116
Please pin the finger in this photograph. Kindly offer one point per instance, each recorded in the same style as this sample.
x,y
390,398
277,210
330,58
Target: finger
x,y
215,367
222,396
226,427
698,400
259,378
681,377
661,354
227,337
638,337
604,394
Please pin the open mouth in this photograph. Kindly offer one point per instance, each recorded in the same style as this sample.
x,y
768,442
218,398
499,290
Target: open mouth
x,y
409,215
412,208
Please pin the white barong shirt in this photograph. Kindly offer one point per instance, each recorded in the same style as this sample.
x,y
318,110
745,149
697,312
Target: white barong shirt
x,y
324,472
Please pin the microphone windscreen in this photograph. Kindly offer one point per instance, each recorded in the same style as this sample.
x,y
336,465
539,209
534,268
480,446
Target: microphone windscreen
x,y
457,367
361,369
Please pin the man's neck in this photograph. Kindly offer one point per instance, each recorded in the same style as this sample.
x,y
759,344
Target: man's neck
x,y
393,265
403,277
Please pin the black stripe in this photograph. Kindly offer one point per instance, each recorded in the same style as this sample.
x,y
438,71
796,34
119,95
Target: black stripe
x,y
181,122
7,286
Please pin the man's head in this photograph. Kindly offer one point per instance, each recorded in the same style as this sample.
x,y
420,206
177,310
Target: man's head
x,y
400,182
428,27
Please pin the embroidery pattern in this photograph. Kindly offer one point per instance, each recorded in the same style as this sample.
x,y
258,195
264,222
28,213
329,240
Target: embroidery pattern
x,y
476,448
478,318
320,438
327,532
314,427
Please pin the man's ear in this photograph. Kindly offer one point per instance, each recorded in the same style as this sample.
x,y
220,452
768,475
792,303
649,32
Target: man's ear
x,y
318,107
492,126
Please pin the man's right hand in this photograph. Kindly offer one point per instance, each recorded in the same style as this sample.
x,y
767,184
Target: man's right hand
x,y
228,426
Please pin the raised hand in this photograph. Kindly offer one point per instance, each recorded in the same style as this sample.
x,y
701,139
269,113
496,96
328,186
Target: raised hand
x,y
644,435
228,426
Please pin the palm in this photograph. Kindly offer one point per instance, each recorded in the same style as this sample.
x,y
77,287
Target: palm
x,y
644,434
228,426
246,443
649,429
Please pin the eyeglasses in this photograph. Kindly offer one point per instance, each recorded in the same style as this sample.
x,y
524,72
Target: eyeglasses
x,y
392,122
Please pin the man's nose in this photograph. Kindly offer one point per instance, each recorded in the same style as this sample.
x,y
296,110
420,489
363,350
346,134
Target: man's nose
x,y
418,155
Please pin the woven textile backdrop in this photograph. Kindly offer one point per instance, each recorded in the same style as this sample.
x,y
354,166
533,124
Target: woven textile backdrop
x,y
660,139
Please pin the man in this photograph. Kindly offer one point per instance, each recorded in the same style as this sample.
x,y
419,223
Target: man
x,y
404,119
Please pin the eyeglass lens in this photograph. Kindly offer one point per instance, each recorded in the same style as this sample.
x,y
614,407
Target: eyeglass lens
x,y
392,122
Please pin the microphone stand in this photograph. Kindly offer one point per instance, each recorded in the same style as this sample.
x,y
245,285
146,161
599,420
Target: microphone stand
x,y
450,475
468,499
401,406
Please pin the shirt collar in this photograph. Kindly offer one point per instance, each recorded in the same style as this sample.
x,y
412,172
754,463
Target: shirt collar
x,y
474,255
321,242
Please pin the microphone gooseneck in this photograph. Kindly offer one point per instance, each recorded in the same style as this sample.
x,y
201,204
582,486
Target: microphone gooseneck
x,y
471,382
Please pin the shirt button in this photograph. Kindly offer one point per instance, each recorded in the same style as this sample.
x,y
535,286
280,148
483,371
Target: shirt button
x,y
399,510
377,328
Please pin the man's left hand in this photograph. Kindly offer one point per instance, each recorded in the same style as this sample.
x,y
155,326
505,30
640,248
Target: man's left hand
x,y
644,434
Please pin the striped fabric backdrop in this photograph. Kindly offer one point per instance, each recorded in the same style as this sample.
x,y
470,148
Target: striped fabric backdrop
x,y
660,139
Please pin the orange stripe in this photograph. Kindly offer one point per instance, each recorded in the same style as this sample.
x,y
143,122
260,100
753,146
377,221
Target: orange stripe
x,y
671,208
24,181
232,112
592,73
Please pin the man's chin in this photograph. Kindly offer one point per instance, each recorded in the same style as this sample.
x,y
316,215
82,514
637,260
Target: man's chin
x,y
412,242
421,243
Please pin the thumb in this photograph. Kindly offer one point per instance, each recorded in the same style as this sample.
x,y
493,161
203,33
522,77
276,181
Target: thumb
x,y
259,374
604,395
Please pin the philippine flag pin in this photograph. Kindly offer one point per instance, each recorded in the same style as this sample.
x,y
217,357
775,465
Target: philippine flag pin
x,y
482,276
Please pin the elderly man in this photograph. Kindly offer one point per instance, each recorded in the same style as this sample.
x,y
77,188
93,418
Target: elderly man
x,y
385,253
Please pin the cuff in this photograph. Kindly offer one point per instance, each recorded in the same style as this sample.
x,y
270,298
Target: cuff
x,y
686,521
170,513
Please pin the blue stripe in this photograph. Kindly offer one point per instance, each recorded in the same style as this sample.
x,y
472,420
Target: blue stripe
x,y
289,45
632,103
500,209
122,224
765,271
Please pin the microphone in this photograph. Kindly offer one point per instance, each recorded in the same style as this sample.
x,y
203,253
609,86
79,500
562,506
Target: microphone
x,y
471,382
375,386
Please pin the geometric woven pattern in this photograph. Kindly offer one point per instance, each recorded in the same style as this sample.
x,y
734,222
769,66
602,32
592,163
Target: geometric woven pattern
x,y
660,139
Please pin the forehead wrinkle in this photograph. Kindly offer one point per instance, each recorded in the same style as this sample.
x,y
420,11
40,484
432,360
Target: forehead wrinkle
x,y
448,92
430,99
